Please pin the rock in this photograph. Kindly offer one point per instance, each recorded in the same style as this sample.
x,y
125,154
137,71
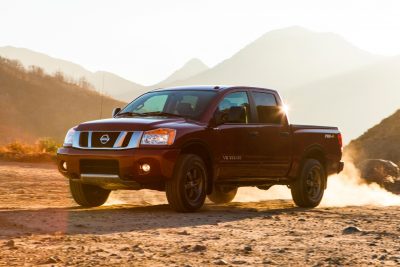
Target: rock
x,y
220,262
137,249
184,232
351,230
268,261
383,172
52,259
239,262
247,248
10,243
199,248
383,257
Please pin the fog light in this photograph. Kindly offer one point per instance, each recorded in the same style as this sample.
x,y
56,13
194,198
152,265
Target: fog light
x,y
145,167
64,165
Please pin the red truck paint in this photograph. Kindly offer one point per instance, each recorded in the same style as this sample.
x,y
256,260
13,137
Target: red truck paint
x,y
235,154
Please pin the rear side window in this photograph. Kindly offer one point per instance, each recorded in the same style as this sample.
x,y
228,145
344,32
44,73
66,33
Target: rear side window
x,y
234,108
267,107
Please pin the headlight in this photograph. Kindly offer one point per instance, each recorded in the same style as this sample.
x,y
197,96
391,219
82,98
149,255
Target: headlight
x,y
160,136
69,138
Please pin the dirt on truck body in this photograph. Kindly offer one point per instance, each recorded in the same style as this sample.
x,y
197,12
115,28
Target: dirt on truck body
x,y
198,142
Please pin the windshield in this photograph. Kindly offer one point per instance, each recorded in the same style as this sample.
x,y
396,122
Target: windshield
x,y
183,103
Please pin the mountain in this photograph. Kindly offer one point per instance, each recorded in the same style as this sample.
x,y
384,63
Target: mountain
x,y
284,59
354,101
380,142
34,104
114,85
191,68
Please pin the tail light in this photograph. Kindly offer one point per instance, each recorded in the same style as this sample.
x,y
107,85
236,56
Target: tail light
x,y
340,140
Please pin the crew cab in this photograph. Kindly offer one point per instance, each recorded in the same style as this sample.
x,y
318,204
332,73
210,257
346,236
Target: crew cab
x,y
195,142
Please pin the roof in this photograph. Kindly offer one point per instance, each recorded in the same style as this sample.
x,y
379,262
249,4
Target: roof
x,y
208,87
194,87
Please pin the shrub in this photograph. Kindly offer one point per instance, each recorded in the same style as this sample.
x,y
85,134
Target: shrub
x,y
47,144
18,147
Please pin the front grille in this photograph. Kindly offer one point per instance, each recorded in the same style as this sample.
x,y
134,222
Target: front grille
x,y
99,166
83,140
113,140
98,136
104,139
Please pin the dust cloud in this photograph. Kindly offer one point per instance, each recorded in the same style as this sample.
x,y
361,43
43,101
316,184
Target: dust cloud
x,y
344,189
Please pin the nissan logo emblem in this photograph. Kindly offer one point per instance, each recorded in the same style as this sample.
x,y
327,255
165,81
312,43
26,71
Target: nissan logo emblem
x,y
104,139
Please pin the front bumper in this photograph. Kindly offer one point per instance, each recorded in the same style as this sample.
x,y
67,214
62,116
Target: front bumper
x,y
130,175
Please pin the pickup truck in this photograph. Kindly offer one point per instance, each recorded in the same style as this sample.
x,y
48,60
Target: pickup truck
x,y
195,142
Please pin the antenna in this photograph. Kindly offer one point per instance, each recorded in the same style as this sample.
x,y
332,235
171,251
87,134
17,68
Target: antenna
x,y
101,98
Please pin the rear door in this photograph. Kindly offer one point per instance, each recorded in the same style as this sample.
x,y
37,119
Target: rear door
x,y
274,150
236,140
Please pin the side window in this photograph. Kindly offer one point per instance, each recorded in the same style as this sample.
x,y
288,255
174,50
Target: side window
x,y
267,108
234,108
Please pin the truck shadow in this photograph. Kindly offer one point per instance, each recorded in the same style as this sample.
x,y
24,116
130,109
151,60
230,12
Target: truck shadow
x,y
130,218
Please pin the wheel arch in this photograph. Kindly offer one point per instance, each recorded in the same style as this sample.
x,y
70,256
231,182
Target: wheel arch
x,y
201,149
315,152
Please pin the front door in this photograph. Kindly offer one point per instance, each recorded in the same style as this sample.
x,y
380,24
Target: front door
x,y
237,138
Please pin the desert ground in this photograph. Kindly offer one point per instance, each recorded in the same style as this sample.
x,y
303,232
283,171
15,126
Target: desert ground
x,y
41,225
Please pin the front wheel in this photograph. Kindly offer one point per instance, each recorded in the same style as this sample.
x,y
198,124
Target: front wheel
x,y
186,191
87,195
222,194
308,189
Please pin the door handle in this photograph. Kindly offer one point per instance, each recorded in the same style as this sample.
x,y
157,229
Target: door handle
x,y
254,133
284,134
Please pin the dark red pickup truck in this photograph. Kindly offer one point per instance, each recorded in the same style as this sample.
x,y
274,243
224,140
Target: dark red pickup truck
x,y
198,141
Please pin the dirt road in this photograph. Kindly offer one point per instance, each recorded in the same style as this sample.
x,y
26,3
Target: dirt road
x,y
40,224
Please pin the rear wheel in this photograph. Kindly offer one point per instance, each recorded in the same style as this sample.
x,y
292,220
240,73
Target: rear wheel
x,y
186,191
222,194
309,187
88,195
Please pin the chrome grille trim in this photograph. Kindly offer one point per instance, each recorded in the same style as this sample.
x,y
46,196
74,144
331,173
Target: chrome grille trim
x,y
89,141
133,142
120,139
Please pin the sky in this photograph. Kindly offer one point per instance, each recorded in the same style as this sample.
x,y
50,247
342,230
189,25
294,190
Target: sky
x,y
145,41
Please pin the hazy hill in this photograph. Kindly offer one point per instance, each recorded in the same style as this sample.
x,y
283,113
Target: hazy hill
x,y
114,85
354,101
285,58
381,141
35,105
189,69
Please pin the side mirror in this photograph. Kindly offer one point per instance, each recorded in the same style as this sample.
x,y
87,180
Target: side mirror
x,y
115,111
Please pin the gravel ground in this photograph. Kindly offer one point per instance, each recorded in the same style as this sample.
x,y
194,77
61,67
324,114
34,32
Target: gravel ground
x,y
41,225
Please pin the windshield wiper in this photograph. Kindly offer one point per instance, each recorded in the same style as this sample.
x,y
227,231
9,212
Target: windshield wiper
x,y
129,113
161,113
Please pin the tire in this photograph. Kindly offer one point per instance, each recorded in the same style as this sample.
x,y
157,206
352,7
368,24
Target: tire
x,y
186,191
222,194
88,195
308,189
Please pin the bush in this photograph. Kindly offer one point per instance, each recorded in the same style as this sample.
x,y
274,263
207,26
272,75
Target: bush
x,y
48,145
18,147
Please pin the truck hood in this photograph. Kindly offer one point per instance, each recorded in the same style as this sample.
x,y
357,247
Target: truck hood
x,y
130,124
